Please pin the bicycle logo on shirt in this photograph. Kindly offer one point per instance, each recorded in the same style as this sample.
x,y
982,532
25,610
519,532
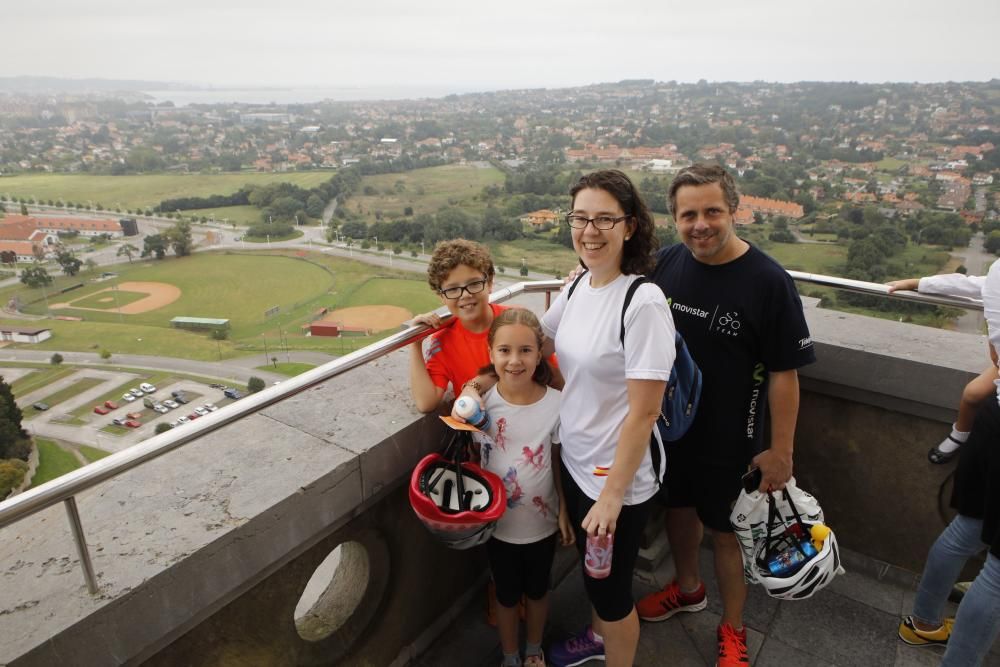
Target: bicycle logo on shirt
x,y
728,324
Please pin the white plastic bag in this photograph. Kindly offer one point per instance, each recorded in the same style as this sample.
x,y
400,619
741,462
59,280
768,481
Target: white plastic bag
x,y
749,520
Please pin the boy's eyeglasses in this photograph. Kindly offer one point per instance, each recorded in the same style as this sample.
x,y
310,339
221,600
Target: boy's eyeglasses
x,y
475,287
602,222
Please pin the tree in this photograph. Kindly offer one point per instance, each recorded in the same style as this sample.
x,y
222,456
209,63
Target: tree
x,y
8,257
106,354
24,209
128,250
162,427
255,384
180,239
12,473
13,438
56,359
156,245
36,276
992,243
69,262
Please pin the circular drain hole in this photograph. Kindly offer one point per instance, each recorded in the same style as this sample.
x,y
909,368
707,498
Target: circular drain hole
x,y
334,592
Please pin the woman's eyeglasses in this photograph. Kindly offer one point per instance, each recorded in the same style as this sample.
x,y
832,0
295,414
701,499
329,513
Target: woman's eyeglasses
x,y
602,222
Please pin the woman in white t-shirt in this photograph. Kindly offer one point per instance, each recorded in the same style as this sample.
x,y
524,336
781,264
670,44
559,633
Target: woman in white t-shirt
x,y
611,399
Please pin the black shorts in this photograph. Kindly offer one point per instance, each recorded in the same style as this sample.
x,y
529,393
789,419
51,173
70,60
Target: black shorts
x,y
711,489
611,596
521,569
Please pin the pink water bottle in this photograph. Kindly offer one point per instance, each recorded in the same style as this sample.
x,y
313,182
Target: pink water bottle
x,y
597,558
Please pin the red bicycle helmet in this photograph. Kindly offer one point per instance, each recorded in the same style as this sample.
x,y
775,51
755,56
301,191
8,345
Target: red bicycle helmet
x,y
459,502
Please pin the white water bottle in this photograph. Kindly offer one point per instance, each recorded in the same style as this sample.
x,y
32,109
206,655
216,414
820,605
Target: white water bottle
x,y
468,409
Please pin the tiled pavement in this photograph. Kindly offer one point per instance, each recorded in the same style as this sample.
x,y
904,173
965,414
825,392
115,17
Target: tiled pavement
x,y
851,623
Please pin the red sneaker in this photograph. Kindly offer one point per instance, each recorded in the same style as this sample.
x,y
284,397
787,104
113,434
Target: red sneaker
x,y
732,647
663,604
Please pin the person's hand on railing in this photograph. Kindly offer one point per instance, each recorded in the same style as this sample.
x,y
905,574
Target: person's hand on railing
x,y
571,276
431,319
907,284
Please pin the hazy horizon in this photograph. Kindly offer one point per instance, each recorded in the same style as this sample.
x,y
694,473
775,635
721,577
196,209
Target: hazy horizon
x,y
445,43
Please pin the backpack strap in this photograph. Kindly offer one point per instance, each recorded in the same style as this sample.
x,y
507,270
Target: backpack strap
x,y
576,282
628,299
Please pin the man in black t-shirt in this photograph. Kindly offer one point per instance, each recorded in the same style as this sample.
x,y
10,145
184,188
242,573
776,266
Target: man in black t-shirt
x,y
742,320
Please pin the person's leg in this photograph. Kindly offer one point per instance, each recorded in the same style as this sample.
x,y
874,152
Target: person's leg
x,y
685,531
729,572
978,390
961,539
536,611
978,622
537,580
621,639
507,569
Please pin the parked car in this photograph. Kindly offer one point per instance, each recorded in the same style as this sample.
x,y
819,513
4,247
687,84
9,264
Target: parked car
x,y
234,394
161,408
134,415
148,402
201,410
170,403
110,405
193,416
211,407
177,392
147,388
118,421
133,423
216,385
40,406
128,398
182,398
101,410
182,420
135,392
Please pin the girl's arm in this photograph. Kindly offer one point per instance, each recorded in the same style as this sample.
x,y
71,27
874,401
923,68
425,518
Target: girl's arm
x,y
566,534
644,400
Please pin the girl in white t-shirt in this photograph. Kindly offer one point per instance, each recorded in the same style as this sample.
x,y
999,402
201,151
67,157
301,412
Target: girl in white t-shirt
x,y
522,448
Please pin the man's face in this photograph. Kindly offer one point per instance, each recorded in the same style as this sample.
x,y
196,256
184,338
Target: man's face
x,y
705,224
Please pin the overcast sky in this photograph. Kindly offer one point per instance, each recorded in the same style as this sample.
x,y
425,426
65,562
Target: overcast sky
x,y
477,45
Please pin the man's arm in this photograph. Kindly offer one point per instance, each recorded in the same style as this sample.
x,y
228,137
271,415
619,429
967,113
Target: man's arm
x,y
775,463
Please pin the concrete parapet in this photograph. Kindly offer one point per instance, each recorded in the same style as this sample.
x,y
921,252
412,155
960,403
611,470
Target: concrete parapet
x,y
202,555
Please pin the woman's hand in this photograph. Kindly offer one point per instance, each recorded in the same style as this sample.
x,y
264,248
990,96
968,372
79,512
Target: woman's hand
x,y
566,534
602,519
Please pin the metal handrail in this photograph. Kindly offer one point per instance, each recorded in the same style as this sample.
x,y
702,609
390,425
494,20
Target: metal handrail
x,y
65,488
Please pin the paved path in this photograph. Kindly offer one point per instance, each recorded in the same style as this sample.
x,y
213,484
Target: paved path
x,y
977,262
852,623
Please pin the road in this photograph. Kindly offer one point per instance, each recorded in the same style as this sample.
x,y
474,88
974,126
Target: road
x,y
977,262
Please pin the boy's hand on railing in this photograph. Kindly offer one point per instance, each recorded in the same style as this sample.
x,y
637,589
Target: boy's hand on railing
x,y
431,319
907,284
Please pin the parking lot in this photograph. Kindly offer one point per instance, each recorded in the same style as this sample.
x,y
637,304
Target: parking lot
x,y
100,430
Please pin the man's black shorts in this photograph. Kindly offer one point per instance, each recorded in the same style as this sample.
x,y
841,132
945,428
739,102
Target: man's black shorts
x,y
711,489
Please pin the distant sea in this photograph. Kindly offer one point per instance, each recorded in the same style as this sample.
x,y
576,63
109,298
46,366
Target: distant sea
x,y
282,96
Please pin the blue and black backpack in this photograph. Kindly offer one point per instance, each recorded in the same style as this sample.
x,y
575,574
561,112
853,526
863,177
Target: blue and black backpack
x,y
680,399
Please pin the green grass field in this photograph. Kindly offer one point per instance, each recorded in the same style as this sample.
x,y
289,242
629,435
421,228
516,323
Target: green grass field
x,y
241,215
92,453
291,369
144,190
424,190
540,255
53,461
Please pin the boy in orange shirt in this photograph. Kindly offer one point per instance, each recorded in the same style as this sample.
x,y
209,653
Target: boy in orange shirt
x,y
461,273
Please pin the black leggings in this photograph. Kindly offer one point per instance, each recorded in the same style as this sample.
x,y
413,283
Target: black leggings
x,y
611,596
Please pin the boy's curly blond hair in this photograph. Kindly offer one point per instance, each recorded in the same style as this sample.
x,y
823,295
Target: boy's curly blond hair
x,y
449,254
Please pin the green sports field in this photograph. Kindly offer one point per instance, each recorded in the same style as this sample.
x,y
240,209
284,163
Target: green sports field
x,y
424,190
109,300
144,190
